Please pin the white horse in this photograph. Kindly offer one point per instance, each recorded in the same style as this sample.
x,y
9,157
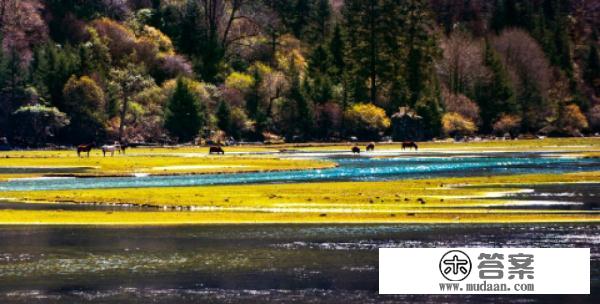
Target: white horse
x,y
111,149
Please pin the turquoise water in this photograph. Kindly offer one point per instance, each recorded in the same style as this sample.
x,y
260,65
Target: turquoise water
x,y
362,168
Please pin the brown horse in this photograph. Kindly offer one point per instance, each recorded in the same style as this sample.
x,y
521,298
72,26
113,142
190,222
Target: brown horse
x,y
85,149
371,147
216,150
123,146
410,145
355,150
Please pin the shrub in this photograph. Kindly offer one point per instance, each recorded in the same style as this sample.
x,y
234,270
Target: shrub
x,y
32,125
454,124
572,121
507,124
366,121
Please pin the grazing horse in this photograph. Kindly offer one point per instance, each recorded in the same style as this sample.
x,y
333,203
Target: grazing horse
x,y
111,149
216,150
355,150
122,147
371,147
410,145
85,149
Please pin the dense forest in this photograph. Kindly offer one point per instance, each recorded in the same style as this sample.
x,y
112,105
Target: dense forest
x,y
78,71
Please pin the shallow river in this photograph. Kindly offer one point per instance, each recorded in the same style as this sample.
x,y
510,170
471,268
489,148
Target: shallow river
x,y
364,168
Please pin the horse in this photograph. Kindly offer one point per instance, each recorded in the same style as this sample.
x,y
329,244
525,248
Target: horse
x,y
111,149
122,147
371,147
216,150
355,150
410,145
86,148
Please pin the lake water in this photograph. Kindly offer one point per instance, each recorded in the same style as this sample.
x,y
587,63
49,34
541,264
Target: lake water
x,y
248,264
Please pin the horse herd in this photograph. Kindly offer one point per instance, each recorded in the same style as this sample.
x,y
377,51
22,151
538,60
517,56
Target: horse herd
x,y
121,147
371,147
116,147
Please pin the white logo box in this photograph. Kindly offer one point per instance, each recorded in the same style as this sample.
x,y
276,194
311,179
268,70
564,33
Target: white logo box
x,y
417,271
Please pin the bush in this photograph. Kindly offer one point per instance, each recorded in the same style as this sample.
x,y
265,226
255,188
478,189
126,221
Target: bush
x,y
33,125
507,124
461,104
454,124
366,121
572,121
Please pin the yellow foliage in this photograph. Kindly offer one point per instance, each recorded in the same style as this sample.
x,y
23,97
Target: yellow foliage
x,y
573,119
164,43
455,124
240,81
367,116
290,53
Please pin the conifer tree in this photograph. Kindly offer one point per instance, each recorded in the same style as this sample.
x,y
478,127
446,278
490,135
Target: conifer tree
x,y
495,97
224,118
183,117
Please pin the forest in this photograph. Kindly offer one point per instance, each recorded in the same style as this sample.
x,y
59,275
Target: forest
x,y
180,71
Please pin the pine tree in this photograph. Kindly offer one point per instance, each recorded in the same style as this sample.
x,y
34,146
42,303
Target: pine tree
x,y
337,49
495,97
365,27
253,97
592,69
422,49
183,118
224,118
322,19
302,13
301,118
319,85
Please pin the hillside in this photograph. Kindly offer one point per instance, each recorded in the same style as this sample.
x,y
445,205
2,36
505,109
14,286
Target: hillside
x,y
77,71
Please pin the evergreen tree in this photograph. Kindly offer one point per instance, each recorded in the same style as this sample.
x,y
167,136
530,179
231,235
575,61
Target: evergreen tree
x,y
302,14
183,117
301,120
224,118
592,69
337,49
429,107
365,27
495,97
322,19
422,49
253,97
319,68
